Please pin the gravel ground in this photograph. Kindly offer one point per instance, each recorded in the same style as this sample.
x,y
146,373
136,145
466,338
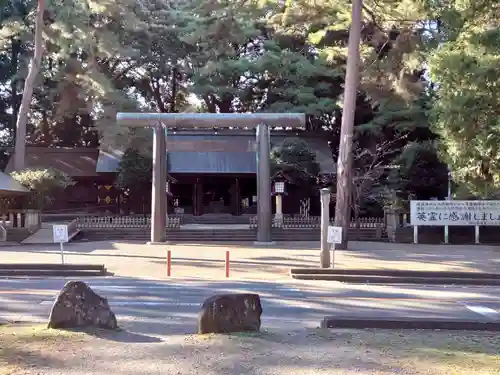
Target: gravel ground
x,y
250,262
28,350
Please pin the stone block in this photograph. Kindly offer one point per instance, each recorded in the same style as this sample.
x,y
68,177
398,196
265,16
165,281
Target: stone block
x,y
78,306
230,313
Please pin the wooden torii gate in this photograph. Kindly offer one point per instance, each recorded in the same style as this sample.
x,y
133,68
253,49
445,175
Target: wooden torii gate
x,y
259,121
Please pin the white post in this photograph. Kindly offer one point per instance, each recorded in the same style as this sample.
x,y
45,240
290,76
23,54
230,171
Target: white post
x,y
476,234
415,234
62,252
446,234
325,221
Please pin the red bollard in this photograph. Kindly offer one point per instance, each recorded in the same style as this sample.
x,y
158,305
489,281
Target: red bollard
x,y
169,263
227,263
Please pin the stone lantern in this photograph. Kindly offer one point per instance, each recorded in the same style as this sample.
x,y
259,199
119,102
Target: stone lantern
x,y
279,189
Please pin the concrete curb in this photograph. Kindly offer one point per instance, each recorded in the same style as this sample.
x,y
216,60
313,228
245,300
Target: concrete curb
x,y
366,279
48,269
396,276
394,273
408,323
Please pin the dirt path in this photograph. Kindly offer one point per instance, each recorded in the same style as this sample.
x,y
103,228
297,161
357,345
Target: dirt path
x,y
28,351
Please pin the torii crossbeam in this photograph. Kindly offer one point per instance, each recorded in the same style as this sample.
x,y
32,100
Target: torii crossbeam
x,y
259,121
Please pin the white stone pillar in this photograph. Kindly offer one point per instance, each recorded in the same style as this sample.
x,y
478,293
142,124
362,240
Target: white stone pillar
x,y
279,210
325,222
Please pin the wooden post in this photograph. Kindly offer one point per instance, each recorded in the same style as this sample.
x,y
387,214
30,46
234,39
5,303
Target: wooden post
x,y
342,208
195,198
169,263
237,198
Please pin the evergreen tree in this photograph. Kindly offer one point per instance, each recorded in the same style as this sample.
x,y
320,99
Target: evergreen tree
x,y
466,70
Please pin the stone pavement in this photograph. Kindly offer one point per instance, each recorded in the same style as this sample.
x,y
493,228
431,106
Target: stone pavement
x,y
252,263
155,307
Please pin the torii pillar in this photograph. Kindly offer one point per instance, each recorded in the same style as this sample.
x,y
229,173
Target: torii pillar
x,y
260,121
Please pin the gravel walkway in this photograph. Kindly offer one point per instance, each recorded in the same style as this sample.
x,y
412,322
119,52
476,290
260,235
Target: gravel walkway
x,y
249,262
304,352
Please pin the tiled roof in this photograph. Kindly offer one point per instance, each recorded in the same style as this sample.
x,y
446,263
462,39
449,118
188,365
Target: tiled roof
x,y
76,162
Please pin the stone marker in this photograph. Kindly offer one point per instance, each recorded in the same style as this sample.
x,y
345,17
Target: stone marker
x,y
230,313
78,306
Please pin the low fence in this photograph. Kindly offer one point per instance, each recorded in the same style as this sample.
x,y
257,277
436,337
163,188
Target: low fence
x,y
314,222
21,219
92,222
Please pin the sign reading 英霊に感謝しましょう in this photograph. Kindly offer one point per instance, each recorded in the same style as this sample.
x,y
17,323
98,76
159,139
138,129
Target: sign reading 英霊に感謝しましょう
x,y
457,213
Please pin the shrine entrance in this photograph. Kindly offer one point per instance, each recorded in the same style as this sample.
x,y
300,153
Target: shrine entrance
x,y
217,196
160,122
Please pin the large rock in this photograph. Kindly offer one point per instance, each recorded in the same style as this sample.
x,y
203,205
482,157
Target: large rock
x,y
230,313
78,306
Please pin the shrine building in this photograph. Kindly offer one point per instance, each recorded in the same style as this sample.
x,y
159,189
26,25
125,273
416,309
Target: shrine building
x,y
209,172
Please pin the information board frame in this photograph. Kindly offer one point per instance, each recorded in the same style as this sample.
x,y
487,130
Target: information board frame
x,y
455,213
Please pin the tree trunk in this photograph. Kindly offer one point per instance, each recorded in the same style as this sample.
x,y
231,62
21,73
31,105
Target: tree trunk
x,y
344,163
22,118
14,63
173,97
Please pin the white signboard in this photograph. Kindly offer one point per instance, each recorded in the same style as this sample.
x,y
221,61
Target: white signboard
x,y
455,213
334,234
60,233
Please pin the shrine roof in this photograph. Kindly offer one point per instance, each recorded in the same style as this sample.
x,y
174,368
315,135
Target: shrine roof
x,y
9,186
196,152
75,162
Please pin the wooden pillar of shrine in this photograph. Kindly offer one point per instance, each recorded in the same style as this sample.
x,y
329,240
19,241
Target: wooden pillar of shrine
x,y
198,198
237,198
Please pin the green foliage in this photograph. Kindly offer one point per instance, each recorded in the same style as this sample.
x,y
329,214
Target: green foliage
x,y
295,159
420,175
44,183
465,114
135,171
106,56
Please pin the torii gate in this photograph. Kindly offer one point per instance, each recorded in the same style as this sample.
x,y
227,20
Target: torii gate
x,y
260,121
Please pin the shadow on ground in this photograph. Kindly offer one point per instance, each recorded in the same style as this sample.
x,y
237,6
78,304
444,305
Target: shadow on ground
x,y
316,352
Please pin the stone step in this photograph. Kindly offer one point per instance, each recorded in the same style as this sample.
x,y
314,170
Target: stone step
x,y
216,219
243,235
45,234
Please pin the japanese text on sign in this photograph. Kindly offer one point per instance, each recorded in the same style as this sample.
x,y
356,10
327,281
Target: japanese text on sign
x,y
427,213
60,233
334,235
